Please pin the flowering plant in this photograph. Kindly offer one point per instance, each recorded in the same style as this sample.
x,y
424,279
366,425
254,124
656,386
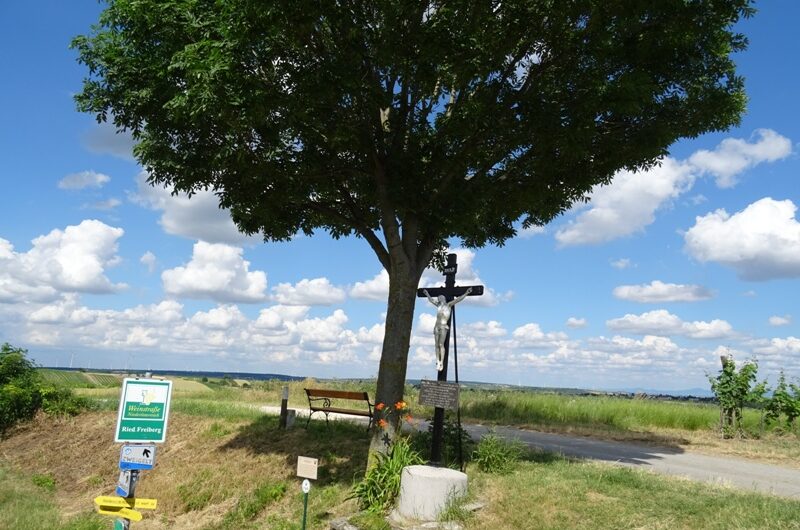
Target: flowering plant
x,y
381,483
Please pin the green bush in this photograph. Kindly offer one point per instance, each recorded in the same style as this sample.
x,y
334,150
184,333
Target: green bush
x,y
381,485
20,397
451,432
497,455
22,392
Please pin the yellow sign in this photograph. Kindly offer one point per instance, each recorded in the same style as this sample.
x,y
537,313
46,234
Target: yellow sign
x,y
122,502
133,515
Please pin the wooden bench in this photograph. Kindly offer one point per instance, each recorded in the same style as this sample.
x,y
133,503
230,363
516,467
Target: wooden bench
x,y
319,400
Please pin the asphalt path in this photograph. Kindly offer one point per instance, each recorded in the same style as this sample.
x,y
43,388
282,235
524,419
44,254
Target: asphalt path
x,y
728,471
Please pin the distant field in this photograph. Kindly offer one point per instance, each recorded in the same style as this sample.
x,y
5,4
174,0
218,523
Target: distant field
x,y
71,379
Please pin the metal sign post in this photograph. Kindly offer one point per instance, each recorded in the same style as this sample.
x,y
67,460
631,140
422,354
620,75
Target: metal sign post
x,y
306,488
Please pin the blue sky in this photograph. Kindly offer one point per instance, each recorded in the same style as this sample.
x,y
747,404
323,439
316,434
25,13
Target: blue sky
x,y
643,287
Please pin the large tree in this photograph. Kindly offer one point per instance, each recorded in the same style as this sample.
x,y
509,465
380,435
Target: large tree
x,y
407,123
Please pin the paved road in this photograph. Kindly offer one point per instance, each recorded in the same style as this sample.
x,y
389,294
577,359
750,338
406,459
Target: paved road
x,y
735,472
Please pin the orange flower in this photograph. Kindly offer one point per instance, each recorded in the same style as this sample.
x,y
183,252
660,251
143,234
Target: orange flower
x,y
400,405
382,423
379,406
408,418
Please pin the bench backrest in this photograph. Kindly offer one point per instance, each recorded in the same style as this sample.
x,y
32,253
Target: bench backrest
x,y
336,394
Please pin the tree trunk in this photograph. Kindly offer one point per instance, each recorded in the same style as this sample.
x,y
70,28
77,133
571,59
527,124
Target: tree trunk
x,y
403,282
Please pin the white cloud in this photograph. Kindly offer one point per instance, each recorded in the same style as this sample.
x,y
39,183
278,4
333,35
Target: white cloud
x,y
630,202
148,259
622,263
576,323
221,318
217,272
531,335
663,323
84,179
105,140
198,217
762,242
788,346
375,289
319,291
657,291
734,155
72,260
780,320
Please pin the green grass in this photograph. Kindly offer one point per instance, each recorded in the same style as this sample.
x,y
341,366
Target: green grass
x,y
27,506
554,493
528,408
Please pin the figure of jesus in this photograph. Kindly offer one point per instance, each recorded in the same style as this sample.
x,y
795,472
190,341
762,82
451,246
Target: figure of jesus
x,y
442,326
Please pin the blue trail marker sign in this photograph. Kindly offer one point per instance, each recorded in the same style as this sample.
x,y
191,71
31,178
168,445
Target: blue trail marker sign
x,y
143,411
137,456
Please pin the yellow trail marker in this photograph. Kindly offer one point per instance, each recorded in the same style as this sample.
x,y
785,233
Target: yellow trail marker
x,y
122,502
133,515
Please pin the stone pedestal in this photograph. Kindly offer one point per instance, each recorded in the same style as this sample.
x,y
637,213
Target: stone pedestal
x,y
425,491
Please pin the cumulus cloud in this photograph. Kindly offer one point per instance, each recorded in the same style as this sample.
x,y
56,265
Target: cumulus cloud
x,y
217,272
657,291
762,242
104,139
198,217
630,202
531,335
84,179
663,323
319,291
576,323
734,155
148,259
375,289
776,320
71,260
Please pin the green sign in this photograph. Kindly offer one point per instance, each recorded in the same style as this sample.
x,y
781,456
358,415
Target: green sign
x,y
143,410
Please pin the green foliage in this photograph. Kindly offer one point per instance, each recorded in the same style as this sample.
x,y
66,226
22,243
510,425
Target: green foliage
x,y
20,396
62,401
733,389
451,432
497,455
381,484
785,402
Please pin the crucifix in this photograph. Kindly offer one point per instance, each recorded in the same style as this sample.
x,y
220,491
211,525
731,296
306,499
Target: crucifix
x,y
445,298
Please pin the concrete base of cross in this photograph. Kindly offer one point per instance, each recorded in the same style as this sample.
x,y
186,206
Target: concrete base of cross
x,y
425,491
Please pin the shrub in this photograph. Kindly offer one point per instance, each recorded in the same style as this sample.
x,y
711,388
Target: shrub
x,y
381,485
497,455
451,432
22,393
20,397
